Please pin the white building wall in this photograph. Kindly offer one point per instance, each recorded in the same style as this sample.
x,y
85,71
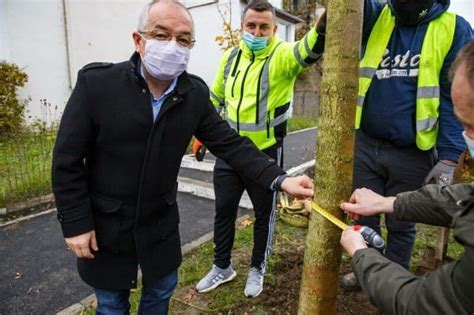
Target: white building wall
x,y
206,54
35,34
33,37
100,30
465,8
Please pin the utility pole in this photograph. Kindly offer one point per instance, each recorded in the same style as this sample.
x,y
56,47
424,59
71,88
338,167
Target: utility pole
x,y
334,155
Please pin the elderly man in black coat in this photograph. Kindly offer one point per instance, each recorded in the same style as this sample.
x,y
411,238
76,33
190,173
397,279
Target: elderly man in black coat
x,y
117,155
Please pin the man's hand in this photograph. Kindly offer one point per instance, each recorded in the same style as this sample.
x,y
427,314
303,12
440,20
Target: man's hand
x,y
82,244
364,202
352,240
199,150
442,173
299,186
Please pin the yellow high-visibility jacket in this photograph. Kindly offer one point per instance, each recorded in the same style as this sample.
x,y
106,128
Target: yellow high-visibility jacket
x,y
255,89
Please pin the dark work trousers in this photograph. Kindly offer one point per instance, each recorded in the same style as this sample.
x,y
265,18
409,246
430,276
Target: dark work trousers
x,y
389,170
229,187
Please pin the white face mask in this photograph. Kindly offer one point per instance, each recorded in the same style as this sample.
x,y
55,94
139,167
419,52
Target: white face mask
x,y
165,60
469,142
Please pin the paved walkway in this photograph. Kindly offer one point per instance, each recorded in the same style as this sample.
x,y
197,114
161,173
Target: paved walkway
x,y
38,275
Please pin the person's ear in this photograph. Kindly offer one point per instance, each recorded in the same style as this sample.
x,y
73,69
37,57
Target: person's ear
x,y
137,41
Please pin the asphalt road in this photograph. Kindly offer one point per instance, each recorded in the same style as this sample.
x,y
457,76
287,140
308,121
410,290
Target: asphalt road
x,y
38,275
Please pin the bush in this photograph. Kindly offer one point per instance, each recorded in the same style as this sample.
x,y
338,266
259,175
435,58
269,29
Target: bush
x,y
12,109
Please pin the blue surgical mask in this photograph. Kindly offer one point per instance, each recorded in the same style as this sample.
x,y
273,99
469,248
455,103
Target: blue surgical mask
x,y
469,142
255,43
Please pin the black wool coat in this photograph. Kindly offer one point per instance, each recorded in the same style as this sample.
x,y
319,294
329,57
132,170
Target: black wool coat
x,y
115,170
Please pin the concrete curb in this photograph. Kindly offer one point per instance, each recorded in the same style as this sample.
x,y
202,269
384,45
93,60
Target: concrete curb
x,y
190,162
301,130
28,217
300,169
206,190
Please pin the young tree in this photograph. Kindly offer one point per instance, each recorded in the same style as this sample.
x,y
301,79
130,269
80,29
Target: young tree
x,y
334,154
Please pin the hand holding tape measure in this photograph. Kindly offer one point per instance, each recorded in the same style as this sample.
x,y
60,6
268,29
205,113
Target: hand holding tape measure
x,y
372,238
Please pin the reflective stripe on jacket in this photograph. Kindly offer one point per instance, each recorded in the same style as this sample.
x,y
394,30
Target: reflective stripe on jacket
x,y
436,45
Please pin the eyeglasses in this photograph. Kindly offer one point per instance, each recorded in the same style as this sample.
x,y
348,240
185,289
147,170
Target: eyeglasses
x,y
184,40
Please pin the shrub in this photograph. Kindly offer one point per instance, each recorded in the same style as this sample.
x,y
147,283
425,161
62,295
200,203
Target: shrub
x,y
12,109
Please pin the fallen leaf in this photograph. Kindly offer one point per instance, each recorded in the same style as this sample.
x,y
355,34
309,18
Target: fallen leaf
x,y
245,223
12,226
18,275
191,295
29,291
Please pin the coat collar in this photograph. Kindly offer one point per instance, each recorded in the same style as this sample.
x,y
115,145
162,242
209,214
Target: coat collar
x,y
183,86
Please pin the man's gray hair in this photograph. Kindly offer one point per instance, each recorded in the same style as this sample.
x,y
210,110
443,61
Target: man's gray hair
x,y
143,17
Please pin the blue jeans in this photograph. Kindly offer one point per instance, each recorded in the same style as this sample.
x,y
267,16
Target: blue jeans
x,y
389,170
154,300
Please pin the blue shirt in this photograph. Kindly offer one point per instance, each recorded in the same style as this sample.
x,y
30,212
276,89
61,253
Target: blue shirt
x,y
156,103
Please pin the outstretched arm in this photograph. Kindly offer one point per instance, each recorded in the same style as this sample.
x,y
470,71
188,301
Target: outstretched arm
x,y
431,204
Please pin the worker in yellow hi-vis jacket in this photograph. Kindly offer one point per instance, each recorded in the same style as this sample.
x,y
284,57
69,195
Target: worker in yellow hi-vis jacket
x,y
253,88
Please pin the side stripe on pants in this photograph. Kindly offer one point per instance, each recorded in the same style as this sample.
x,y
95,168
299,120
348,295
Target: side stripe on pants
x,y
271,221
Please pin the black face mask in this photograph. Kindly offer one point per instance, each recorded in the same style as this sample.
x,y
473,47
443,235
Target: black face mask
x,y
411,12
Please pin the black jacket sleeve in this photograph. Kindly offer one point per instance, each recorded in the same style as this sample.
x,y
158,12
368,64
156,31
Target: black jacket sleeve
x,y
68,169
239,152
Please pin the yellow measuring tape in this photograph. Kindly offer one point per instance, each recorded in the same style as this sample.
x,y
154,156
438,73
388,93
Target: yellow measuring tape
x,y
329,216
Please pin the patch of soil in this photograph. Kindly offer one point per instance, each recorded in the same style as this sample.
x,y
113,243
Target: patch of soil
x,y
282,295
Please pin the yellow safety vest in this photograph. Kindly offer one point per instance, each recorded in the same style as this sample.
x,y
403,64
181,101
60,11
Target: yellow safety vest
x,y
436,45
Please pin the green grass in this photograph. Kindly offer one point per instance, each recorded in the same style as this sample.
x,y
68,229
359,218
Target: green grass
x,y
426,238
298,123
199,261
25,167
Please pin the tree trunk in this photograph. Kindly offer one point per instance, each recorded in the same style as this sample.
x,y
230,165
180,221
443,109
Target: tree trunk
x,y
334,155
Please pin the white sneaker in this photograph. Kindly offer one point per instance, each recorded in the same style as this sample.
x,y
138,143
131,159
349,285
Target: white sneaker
x,y
215,278
254,285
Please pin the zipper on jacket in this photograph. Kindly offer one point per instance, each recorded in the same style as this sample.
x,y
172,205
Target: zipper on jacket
x,y
233,83
268,125
237,61
242,91
257,103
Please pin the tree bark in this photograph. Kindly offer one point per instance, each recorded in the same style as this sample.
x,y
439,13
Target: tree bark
x,y
334,155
